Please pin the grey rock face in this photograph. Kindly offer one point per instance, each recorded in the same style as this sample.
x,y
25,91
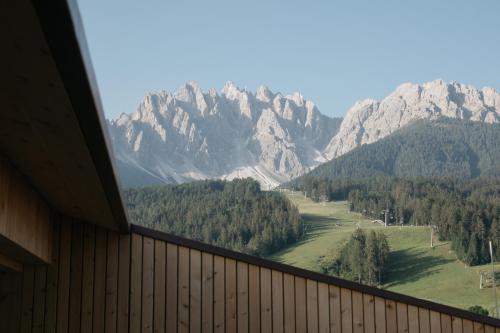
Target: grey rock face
x,y
235,133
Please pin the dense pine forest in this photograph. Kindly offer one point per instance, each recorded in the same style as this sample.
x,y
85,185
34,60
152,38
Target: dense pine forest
x,y
439,148
232,214
363,258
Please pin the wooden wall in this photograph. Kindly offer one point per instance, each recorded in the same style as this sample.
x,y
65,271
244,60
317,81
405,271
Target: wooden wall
x,y
25,228
101,281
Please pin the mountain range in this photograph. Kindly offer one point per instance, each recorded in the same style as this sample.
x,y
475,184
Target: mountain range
x,y
234,133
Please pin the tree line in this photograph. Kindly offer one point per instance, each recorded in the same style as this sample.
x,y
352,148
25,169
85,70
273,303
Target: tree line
x,y
463,211
232,214
363,258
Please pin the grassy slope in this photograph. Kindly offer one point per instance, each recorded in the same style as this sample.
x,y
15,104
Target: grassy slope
x,y
415,268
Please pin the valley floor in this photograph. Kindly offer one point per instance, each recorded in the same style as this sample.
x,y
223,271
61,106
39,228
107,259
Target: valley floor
x,y
415,268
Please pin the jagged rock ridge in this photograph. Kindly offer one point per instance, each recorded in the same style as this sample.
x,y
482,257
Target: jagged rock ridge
x,y
235,133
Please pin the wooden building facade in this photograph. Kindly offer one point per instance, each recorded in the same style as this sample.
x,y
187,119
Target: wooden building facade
x,y
70,261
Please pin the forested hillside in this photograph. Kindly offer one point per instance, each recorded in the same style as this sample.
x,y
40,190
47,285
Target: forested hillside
x,y
443,173
232,214
444,147
466,212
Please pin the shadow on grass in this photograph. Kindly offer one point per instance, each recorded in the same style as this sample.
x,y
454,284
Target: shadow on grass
x,y
316,226
412,264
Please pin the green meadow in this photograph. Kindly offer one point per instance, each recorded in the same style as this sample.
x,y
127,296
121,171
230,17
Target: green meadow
x,y
415,268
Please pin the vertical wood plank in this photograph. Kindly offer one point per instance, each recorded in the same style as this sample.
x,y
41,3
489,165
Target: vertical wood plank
x,y
489,329
254,298
27,302
159,288
391,315
456,325
100,280
135,283
266,316
424,320
413,324
88,278
277,301
195,293
478,327
467,326
52,275
172,277
242,277
64,276
323,308
445,323
122,324
219,290
312,306
335,310
112,282
148,250
300,305
75,300
435,320
402,314
11,296
369,313
39,298
357,312
346,310
207,290
183,297
231,320
289,302
380,319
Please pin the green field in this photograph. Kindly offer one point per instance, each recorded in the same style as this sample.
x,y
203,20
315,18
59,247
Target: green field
x,y
415,268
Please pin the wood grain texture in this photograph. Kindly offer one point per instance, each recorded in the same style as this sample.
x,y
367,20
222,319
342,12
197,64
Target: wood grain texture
x,y
357,312
266,306
195,292
135,283
231,294
277,301
312,305
335,310
112,282
289,302
369,313
148,250
219,294
242,282
159,286
323,308
346,310
183,285
254,298
300,305
172,291
207,291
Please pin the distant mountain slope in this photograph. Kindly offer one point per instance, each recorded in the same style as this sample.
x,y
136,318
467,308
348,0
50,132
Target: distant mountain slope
x,y
174,138
369,120
444,147
191,134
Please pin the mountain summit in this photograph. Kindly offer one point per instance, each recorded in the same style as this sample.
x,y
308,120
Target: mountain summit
x,y
235,133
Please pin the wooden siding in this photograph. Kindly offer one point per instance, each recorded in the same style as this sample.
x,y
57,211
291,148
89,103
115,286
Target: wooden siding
x,y
101,281
25,228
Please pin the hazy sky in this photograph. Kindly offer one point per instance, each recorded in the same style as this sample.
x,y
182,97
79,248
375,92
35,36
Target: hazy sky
x,y
333,52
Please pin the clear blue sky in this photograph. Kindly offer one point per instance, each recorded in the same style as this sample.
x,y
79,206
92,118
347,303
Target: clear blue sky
x,y
333,52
